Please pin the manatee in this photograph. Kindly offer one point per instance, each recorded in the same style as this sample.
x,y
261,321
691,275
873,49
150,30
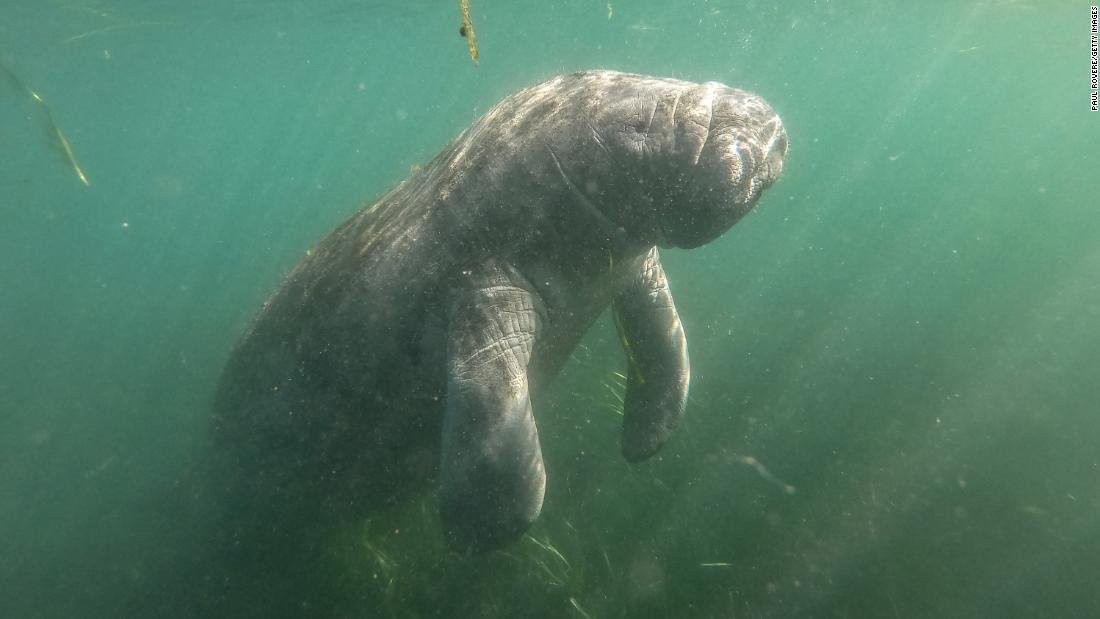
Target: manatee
x,y
406,347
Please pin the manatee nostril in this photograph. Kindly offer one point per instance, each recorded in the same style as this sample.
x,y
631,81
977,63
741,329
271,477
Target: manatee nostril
x,y
777,153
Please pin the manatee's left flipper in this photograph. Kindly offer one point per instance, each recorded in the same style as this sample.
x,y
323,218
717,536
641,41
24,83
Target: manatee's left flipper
x,y
657,357
492,473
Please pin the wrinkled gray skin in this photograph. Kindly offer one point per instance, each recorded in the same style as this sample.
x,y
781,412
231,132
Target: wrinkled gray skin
x,y
411,340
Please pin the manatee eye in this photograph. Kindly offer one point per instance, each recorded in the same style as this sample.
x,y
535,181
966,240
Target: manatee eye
x,y
462,31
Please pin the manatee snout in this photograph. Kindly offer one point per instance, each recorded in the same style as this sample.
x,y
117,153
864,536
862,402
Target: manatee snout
x,y
749,141
730,146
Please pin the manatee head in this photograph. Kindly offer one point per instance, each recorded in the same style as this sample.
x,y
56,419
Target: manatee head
x,y
690,159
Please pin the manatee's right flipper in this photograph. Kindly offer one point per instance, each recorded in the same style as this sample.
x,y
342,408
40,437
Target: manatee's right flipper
x,y
491,467
656,350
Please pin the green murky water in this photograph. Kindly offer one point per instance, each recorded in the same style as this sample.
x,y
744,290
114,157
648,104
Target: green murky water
x,y
895,359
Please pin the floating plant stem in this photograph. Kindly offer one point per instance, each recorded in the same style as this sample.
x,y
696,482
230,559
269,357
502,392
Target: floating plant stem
x,y
580,610
467,29
112,28
56,130
548,548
